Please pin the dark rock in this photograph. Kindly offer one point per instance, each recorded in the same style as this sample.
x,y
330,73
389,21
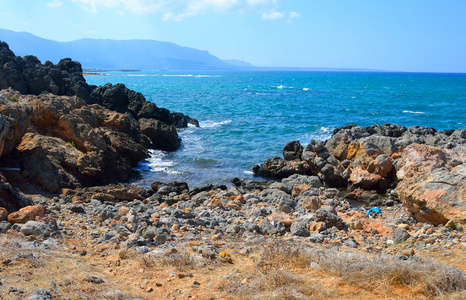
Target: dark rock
x,y
161,135
299,229
292,150
330,219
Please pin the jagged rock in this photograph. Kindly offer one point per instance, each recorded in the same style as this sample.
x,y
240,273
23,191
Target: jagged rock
x,y
330,219
292,150
161,135
299,229
280,168
433,184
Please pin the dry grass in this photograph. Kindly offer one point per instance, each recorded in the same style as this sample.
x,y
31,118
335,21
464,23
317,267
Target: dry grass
x,y
33,265
267,284
369,272
179,259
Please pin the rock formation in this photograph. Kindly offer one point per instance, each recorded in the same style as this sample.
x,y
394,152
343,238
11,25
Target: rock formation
x,y
428,168
57,131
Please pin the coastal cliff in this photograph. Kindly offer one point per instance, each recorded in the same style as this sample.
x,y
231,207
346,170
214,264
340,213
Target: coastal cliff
x,y
59,132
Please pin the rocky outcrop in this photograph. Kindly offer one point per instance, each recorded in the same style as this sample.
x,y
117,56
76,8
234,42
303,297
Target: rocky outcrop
x,y
28,75
57,131
433,183
70,143
426,167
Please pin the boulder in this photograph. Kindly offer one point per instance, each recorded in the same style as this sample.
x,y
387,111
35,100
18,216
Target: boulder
x,y
161,135
3,214
433,183
36,228
28,213
330,219
363,179
292,150
280,168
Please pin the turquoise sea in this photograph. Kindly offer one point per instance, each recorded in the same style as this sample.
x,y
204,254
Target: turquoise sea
x,y
247,117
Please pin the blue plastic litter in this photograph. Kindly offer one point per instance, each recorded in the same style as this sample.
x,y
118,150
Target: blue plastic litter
x,y
375,211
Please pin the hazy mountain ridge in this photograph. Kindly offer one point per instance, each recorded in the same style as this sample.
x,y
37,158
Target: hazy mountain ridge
x,y
115,54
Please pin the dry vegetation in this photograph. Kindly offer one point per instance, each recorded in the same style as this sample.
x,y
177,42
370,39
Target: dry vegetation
x,y
274,270
283,268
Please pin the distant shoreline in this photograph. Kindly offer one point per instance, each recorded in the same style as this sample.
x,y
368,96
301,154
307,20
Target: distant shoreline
x,y
97,72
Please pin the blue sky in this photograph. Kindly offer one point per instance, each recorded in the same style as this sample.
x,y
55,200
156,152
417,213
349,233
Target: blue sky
x,y
398,35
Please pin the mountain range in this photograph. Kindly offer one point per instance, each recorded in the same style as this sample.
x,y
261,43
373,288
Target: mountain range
x,y
118,54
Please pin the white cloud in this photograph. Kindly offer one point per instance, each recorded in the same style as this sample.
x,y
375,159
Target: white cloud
x,y
294,14
272,15
180,9
54,3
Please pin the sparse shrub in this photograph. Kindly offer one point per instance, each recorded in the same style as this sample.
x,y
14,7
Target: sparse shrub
x,y
13,99
72,144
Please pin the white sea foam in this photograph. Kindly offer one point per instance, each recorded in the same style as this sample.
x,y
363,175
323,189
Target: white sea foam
x,y
208,76
323,134
413,112
211,124
284,87
158,162
249,172
306,89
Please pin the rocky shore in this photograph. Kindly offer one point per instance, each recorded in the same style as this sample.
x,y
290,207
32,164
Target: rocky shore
x,y
66,145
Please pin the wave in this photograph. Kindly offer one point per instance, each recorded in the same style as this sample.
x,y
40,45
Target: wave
x,y
322,134
208,76
306,89
211,124
158,162
284,87
413,112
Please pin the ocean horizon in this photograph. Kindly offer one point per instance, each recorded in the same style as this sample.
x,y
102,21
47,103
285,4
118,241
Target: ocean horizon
x,y
248,116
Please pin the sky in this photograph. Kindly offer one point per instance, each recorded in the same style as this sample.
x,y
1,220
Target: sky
x,y
395,35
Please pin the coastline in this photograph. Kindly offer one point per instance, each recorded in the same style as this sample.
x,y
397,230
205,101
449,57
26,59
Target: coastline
x,y
172,240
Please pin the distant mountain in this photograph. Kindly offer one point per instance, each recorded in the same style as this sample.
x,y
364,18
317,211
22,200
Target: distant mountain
x,y
114,54
237,63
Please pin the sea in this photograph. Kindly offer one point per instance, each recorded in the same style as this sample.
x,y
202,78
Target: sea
x,y
247,117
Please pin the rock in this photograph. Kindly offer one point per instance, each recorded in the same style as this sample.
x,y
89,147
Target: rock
x,y
329,219
363,179
382,165
3,214
292,150
161,135
433,184
26,214
400,235
317,227
41,294
311,181
277,216
280,168
354,223
316,238
421,159
36,228
299,229
311,203
78,209
4,226
95,279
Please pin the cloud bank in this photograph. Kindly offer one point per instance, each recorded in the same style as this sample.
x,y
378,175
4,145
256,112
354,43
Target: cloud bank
x,y
180,9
